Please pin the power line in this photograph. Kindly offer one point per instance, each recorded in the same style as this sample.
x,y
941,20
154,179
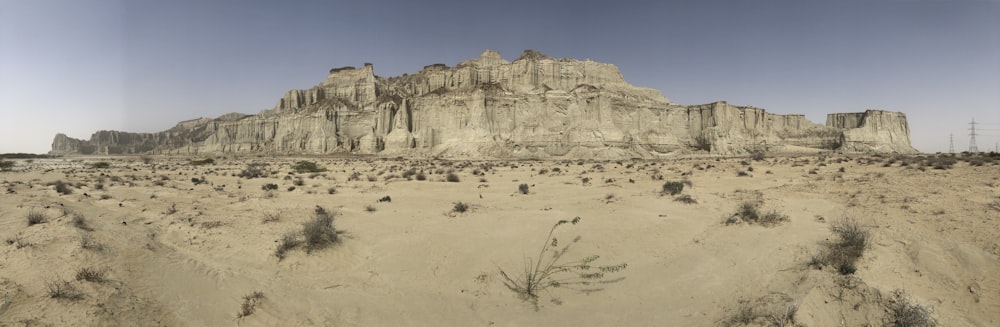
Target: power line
x,y
951,143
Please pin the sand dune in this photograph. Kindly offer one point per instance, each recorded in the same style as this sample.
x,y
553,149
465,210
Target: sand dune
x,y
179,253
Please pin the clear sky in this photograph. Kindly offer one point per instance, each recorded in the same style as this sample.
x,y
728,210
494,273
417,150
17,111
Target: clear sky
x,y
78,66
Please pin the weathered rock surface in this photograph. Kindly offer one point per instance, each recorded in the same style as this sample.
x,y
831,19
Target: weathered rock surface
x,y
533,107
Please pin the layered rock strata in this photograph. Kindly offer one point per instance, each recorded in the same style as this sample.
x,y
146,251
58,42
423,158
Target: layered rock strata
x,y
534,107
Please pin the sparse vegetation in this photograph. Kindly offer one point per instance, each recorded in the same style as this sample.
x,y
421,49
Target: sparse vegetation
x,y
548,270
202,162
307,167
249,305
672,188
79,221
749,212
904,312
460,207
36,217
843,252
523,188
254,170
63,188
685,199
6,165
452,178
58,288
270,218
319,232
370,208
288,242
100,165
88,242
269,187
91,274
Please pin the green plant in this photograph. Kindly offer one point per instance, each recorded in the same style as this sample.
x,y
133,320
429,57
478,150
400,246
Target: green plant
x,y
523,188
250,304
672,188
36,217
548,270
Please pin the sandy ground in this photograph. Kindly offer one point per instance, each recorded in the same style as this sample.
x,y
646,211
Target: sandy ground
x,y
176,253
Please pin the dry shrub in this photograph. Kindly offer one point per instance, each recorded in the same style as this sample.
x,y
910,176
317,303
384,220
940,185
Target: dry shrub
x,y
249,305
904,312
319,232
91,274
36,217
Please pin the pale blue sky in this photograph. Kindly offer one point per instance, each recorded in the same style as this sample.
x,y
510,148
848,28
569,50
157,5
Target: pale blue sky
x,y
78,66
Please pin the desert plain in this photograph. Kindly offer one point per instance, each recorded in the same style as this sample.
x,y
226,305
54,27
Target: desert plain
x,y
174,241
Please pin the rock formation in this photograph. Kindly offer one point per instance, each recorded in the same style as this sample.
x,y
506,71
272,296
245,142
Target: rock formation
x,y
533,107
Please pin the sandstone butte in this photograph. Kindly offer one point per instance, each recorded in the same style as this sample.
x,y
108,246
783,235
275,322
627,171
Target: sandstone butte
x,y
534,107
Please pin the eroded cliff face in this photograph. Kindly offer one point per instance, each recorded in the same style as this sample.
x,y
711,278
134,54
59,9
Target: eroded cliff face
x,y
533,107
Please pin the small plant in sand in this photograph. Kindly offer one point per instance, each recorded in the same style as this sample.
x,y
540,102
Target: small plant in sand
x,y
452,178
672,188
37,217
319,232
269,187
58,288
370,208
79,221
249,305
549,270
254,170
63,188
685,199
307,167
100,165
905,312
202,162
460,207
88,242
843,253
749,212
91,274
288,242
523,188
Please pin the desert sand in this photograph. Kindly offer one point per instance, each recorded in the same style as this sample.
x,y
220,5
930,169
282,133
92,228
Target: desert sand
x,y
166,251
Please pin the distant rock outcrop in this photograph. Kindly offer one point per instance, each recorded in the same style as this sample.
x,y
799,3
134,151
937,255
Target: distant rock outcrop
x,y
534,107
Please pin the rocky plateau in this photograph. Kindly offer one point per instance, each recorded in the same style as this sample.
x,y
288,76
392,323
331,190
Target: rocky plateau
x,y
533,107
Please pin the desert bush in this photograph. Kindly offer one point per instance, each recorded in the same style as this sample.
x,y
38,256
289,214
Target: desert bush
x,y
63,188
332,190
269,187
91,274
549,270
672,188
757,155
523,188
852,241
749,212
99,165
6,165
385,199
18,242
250,304
460,207
288,242
88,242
319,232
421,176
79,221
37,217
904,312
254,170
307,167
106,196
58,288
203,162
685,199
370,208
452,178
